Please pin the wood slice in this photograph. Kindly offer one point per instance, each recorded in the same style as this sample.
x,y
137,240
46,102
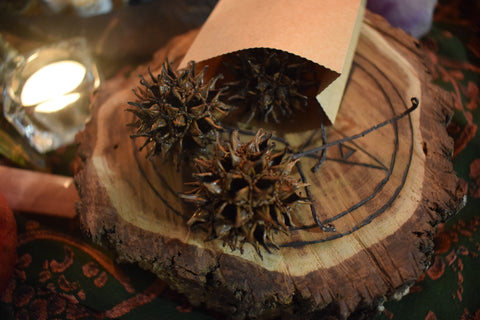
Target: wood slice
x,y
383,192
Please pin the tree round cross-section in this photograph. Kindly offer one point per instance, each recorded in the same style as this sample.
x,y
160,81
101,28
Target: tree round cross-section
x,y
374,194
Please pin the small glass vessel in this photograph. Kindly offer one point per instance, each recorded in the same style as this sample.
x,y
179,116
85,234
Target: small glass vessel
x,y
46,93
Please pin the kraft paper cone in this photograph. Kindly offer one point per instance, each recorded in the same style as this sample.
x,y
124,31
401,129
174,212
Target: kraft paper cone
x,y
322,31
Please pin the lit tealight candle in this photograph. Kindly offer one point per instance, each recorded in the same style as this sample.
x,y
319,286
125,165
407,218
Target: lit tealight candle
x,y
50,85
47,91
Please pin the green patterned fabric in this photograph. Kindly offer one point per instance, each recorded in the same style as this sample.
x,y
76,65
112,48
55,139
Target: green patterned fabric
x,y
448,290
61,275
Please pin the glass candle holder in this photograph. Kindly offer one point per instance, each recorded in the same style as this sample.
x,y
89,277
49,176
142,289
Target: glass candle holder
x,y
46,93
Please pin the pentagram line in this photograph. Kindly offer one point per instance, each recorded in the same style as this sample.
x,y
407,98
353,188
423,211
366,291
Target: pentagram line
x,y
142,172
324,227
343,160
361,134
345,156
309,139
323,157
366,165
363,150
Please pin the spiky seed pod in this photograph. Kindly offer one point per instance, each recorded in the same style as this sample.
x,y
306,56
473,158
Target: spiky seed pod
x,y
176,111
269,84
245,193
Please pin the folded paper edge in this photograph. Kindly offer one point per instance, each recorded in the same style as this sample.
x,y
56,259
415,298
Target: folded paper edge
x,y
331,97
326,73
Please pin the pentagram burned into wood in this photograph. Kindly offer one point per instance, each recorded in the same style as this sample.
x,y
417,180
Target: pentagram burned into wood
x,y
249,214
379,180
343,157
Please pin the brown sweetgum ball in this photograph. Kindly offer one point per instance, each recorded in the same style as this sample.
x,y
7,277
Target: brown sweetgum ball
x,y
8,243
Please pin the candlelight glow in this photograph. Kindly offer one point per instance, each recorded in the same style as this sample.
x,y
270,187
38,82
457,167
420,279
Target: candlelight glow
x,y
51,82
46,93
57,103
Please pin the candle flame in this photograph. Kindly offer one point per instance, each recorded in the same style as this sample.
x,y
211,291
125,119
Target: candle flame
x,y
52,82
57,103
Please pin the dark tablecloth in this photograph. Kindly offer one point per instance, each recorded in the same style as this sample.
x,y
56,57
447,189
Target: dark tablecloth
x,y
61,275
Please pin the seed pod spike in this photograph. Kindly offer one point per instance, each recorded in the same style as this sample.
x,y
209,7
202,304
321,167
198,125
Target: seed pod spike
x,y
151,74
200,216
288,168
